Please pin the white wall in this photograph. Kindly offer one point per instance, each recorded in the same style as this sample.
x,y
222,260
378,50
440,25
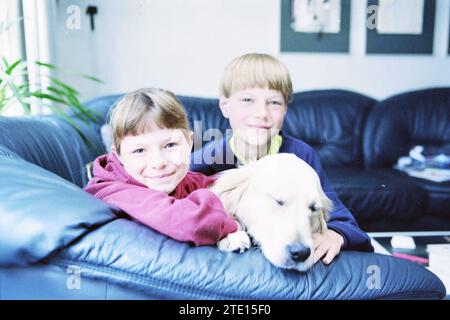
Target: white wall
x,y
183,46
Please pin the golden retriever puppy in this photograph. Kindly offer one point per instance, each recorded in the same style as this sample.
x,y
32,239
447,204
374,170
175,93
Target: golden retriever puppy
x,y
279,201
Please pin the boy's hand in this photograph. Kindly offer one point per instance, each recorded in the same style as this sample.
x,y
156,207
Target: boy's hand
x,y
327,244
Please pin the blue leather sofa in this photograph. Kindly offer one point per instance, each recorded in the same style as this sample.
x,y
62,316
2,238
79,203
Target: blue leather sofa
x,y
58,242
359,140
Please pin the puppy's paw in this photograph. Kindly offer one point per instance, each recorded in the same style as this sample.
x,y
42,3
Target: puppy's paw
x,y
236,241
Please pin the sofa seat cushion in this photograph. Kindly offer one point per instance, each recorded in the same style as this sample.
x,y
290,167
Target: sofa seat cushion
x,y
378,193
129,254
41,213
423,223
438,196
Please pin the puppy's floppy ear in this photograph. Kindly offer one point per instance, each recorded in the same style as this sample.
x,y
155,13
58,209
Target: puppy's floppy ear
x,y
231,186
325,207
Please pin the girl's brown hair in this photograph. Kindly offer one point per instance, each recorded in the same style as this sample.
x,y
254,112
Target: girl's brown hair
x,y
144,110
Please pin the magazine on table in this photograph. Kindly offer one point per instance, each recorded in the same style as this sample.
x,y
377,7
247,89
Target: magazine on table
x,y
419,164
433,174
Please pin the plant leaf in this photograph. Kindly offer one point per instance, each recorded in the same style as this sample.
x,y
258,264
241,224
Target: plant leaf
x,y
10,69
69,100
48,65
77,104
5,62
63,85
47,96
56,90
4,77
91,78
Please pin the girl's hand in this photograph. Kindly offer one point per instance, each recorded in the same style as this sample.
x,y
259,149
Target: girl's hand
x,y
327,244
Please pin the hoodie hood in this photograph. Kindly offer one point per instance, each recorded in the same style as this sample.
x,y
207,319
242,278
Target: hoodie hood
x,y
191,212
108,168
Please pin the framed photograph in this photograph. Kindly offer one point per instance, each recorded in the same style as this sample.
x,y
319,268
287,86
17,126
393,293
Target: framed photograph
x,y
400,26
315,25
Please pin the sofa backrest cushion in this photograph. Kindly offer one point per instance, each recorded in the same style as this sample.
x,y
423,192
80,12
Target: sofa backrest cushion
x,y
203,114
205,119
398,123
41,213
8,153
332,122
52,144
101,106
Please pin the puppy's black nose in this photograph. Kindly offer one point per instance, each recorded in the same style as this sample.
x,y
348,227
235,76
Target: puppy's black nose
x,y
298,252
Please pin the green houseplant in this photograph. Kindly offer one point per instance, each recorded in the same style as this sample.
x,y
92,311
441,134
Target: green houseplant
x,y
16,91
59,97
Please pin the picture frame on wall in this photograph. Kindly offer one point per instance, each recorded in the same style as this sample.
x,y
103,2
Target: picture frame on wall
x,y
400,26
315,26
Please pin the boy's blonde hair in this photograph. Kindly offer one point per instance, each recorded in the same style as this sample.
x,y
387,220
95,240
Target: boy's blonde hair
x,y
144,110
256,70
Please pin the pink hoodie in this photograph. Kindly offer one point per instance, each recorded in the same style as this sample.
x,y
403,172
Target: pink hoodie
x,y
190,213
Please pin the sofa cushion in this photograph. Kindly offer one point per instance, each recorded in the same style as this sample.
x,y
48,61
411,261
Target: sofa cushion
x,y
332,122
129,254
8,153
101,106
422,223
204,116
378,194
397,124
438,196
41,213
52,144
205,119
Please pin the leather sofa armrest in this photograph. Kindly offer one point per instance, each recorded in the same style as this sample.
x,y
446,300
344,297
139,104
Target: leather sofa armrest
x,y
41,213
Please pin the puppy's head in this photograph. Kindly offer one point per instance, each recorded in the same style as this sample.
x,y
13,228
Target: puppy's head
x,y
280,201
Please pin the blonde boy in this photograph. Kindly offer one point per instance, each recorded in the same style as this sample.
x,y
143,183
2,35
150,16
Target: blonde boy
x,y
255,91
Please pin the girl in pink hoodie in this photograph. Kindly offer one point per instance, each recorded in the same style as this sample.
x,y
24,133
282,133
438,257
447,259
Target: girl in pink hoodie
x,y
146,174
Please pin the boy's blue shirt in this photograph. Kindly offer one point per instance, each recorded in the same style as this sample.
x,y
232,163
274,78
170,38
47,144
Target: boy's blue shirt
x,y
340,219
